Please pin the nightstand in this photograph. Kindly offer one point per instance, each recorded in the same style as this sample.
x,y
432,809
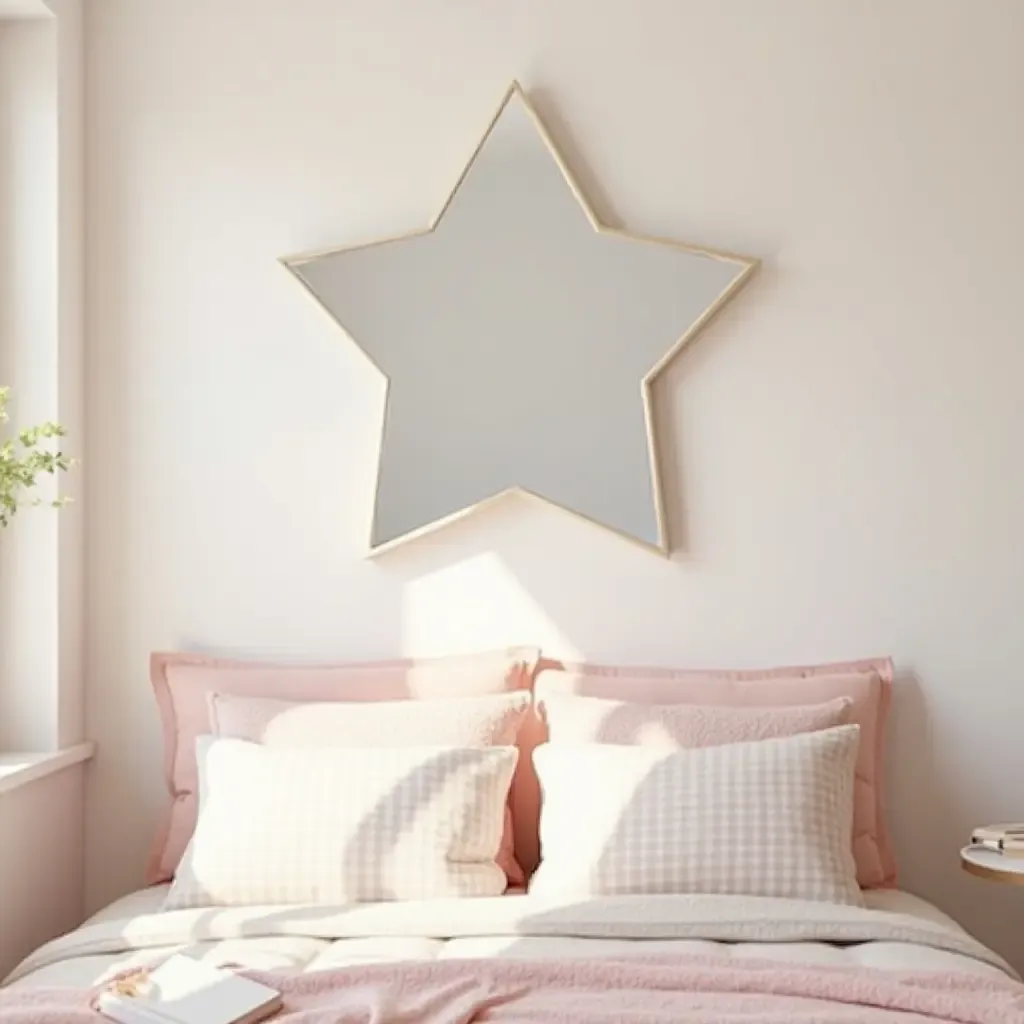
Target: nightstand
x,y
996,867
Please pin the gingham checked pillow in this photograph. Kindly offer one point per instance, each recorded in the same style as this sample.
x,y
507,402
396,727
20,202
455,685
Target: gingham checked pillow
x,y
340,825
768,818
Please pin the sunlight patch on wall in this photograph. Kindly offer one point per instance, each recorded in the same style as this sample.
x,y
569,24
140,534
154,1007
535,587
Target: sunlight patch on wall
x,y
476,604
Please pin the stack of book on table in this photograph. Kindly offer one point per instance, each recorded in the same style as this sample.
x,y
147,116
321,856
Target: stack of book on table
x,y
1007,839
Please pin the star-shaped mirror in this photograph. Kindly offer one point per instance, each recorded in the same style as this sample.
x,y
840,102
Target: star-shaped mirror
x,y
519,338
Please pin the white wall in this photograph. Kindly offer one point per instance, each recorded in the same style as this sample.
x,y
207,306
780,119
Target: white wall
x,y
846,437
42,872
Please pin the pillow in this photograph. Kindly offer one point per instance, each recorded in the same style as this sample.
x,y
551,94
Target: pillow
x,y
771,818
491,721
573,719
181,683
867,683
334,825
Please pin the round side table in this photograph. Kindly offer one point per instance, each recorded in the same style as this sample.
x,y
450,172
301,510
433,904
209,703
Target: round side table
x,y
996,867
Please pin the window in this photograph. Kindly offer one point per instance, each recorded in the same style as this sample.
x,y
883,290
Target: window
x,y
40,344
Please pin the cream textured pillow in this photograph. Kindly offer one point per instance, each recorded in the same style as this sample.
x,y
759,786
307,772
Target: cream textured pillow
x,y
340,825
489,721
770,818
574,719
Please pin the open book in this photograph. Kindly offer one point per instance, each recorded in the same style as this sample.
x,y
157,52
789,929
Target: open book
x,y
186,991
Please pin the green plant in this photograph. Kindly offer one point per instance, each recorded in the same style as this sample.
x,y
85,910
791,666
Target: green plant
x,y
23,459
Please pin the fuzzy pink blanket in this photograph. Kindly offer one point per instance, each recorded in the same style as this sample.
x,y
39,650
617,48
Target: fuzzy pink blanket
x,y
673,990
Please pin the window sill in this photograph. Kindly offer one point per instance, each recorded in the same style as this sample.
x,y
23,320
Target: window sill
x,y
17,770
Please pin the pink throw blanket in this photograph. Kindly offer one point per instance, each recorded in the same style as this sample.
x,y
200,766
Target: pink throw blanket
x,y
673,990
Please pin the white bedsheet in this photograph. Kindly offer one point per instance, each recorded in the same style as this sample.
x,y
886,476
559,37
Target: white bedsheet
x,y
897,931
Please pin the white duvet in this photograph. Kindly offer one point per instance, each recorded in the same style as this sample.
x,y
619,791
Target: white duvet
x,y
897,931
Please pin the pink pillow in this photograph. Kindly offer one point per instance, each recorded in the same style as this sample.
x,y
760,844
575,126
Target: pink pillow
x,y
868,684
183,683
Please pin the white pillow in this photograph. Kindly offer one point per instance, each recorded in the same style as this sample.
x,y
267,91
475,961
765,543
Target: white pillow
x,y
768,818
339,825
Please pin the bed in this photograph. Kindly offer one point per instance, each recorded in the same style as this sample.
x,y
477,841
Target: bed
x,y
896,935
713,848
898,932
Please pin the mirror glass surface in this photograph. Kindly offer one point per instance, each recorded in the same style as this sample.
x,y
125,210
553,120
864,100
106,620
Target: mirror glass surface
x,y
516,339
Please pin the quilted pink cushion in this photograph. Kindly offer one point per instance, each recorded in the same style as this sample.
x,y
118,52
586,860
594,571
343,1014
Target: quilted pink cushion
x,y
867,684
183,684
